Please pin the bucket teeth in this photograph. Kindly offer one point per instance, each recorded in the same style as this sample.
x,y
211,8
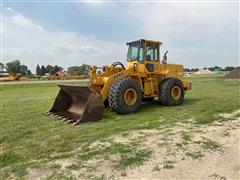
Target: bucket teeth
x,y
69,121
47,113
58,117
52,115
76,123
64,119
55,116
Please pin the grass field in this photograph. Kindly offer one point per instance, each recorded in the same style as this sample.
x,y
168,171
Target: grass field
x,y
30,140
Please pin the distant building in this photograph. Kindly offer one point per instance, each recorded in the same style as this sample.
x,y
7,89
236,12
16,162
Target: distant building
x,y
3,72
61,74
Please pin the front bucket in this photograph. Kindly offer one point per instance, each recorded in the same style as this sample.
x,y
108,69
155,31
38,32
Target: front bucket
x,y
77,104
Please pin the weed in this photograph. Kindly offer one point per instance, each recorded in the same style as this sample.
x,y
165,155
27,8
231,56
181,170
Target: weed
x,y
75,166
186,137
216,176
55,166
179,144
226,134
97,177
168,164
125,134
211,145
123,173
133,159
195,154
156,167
59,175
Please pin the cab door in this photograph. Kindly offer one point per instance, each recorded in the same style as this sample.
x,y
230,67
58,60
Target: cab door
x,y
152,57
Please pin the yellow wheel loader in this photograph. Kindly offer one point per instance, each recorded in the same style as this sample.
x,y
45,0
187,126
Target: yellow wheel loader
x,y
123,88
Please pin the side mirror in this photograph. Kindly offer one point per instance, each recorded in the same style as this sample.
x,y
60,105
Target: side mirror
x,y
164,61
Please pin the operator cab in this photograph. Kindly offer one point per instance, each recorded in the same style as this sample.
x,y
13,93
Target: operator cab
x,y
145,52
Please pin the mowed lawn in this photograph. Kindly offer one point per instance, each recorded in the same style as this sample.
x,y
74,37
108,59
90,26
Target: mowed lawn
x,y
30,139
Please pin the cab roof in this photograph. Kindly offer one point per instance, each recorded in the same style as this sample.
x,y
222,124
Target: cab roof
x,y
146,40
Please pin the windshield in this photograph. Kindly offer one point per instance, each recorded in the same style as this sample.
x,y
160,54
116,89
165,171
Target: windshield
x,y
135,51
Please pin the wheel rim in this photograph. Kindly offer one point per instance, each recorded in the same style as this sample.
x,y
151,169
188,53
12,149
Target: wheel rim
x,y
130,96
176,92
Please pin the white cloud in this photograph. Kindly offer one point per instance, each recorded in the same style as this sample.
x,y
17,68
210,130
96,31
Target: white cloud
x,y
10,9
174,21
24,22
27,41
96,2
196,35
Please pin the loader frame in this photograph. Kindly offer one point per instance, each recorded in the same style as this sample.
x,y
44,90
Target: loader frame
x,y
144,78
149,81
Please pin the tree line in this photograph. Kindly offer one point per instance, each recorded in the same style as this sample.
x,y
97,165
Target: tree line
x,y
215,68
73,70
78,70
41,71
15,66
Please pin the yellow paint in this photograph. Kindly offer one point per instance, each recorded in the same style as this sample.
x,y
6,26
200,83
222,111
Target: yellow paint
x,y
16,77
130,96
148,81
176,93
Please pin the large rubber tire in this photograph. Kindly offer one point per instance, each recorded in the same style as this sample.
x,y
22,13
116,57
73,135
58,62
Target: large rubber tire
x,y
165,90
116,96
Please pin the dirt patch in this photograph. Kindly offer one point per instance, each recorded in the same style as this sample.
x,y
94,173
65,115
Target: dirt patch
x,y
183,151
100,144
194,162
189,151
203,72
235,114
234,74
38,173
64,163
104,168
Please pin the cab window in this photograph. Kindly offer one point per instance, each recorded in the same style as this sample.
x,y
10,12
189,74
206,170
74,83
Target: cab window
x,y
132,53
156,55
152,53
141,55
149,52
135,51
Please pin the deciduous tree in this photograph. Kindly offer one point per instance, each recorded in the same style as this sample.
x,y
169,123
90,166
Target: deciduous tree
x,y
13,67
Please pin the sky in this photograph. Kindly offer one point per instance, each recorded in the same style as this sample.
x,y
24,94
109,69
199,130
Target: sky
x,y
67,33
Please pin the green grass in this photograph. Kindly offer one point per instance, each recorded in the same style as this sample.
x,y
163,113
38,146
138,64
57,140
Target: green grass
x,y
195,154
186,137
211,145
133,158
29,138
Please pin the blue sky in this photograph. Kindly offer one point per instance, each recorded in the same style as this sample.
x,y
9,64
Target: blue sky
x,y
70,33
78,17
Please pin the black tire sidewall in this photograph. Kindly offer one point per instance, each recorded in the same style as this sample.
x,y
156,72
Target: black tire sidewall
x,y
116,101
165,92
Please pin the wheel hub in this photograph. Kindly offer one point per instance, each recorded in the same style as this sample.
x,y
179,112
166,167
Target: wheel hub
x,y
176,93
130,96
